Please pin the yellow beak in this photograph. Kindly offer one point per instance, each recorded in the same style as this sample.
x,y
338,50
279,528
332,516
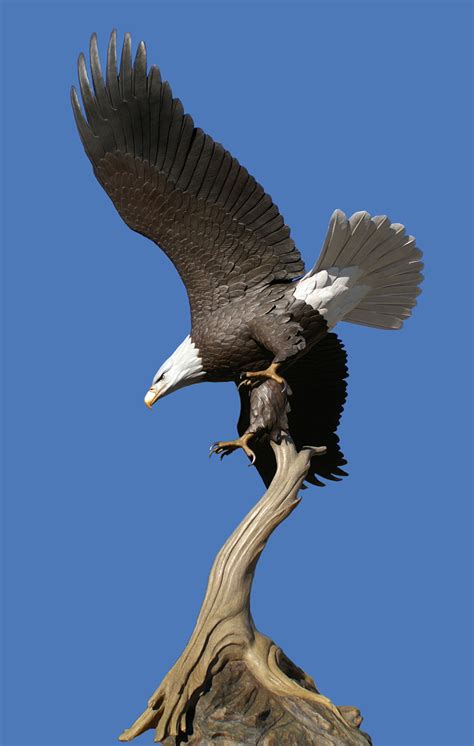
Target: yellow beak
x,y
151,396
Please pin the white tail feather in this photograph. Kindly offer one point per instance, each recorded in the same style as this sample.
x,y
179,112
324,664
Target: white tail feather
x,y
368,272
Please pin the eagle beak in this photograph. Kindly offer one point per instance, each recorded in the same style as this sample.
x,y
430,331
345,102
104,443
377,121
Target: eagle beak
x,y
151,396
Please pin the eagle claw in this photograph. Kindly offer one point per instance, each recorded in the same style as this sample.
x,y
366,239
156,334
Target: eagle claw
x,y
268,373
225,447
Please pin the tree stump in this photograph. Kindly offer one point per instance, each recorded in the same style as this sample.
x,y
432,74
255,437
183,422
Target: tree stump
x,y
231,684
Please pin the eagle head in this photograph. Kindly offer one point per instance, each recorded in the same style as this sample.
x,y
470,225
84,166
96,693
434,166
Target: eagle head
x,y
182,368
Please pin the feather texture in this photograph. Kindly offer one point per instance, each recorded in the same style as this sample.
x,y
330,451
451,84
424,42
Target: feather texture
x,y
368,272
147,154
318,388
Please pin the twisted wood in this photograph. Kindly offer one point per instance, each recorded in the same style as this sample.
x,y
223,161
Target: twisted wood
x,y
228,661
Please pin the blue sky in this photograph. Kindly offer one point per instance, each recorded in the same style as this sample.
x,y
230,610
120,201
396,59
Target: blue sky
x,y
113,514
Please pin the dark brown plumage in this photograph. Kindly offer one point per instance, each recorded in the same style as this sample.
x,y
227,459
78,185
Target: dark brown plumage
x,y
317,393
175,185
250,309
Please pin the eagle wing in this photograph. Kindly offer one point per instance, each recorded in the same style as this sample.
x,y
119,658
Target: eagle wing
x,y
318,385
172,183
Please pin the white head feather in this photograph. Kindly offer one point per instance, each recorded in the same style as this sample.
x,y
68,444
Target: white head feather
x,y
181,369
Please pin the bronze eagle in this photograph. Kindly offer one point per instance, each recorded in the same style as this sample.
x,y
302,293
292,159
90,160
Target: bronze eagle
x,y
256,317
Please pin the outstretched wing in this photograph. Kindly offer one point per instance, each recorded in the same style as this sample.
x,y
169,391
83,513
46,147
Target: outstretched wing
x,y
318,385
172,183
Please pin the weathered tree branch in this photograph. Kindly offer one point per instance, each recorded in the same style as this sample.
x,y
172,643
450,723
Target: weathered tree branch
x,y
227,657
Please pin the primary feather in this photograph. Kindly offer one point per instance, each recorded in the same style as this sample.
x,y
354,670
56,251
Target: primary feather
x,y
171,182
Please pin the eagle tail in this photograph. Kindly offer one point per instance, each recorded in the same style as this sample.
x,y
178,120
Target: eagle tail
x,y
368,273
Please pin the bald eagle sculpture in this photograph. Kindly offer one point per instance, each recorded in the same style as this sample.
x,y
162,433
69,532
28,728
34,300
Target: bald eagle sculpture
x,y
257,318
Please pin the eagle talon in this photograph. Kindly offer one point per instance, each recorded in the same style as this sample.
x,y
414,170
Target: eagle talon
x,y
225,447
244,381
268,373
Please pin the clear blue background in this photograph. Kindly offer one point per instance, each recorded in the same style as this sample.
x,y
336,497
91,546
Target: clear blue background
x,y
114,514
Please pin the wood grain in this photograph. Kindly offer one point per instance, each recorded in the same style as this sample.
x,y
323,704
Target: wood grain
x,y
227,660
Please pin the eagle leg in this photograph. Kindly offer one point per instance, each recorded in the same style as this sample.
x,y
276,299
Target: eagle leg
x,y
268,373
225,447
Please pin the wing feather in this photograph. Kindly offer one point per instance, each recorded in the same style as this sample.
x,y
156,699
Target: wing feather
x,y
145,149
319,389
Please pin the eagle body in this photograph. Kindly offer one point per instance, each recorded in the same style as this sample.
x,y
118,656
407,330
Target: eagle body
x,y
265,325
253,307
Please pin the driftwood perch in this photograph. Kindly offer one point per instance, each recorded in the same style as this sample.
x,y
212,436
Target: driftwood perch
x,y
232,684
